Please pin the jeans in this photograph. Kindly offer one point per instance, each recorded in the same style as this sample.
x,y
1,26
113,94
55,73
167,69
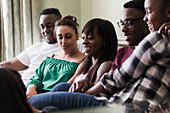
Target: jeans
x,y
61,99
61,87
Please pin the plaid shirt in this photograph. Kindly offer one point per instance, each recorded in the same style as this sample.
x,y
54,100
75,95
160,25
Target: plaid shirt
x,y
144,76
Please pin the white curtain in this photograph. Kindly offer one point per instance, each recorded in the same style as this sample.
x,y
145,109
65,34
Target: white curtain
x,y
19,26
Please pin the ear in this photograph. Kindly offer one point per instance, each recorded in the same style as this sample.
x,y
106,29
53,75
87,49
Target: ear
x,y
77,36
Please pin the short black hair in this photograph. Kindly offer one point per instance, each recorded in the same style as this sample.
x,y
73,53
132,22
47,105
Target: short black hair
x,y
166,3
51,11
137,4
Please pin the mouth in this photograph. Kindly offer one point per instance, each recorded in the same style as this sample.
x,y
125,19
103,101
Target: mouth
x,y
127,37
149,26
87,48
65,46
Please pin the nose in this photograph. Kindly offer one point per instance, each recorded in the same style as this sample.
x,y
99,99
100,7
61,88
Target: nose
x,y
85,41
46,29
145,18
64,40
124,28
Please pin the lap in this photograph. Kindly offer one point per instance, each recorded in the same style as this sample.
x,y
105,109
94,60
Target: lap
x,y
64,100
61,87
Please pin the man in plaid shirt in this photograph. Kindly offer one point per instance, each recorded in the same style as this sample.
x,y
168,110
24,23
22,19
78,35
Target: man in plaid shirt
x,y
145,76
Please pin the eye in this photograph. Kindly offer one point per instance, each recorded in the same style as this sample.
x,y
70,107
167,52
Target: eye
x,y
49,25
42,27
148,11
90,37
128,23
60,37
83,37
67,36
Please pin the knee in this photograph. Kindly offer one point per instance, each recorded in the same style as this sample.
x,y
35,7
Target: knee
x,y
61,87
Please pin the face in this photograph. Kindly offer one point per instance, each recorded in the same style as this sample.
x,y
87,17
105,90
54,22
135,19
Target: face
x,y
66,37
47,24
156,15
138,30
92,44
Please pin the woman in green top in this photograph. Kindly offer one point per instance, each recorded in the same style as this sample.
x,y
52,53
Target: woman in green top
x,y
58,67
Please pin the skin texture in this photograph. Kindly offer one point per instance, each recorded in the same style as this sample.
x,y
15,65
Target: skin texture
x,y
139,28
92,45
155,14
66,38
47,25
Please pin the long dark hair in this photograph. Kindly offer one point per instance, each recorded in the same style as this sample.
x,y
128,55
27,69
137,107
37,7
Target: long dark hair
x,y
13,93
109,39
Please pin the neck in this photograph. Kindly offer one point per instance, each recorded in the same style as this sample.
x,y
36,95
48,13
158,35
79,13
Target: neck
x,y
70,54
94,60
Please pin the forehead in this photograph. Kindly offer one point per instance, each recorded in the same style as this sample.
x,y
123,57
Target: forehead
x,y
47,18
153,4
64,28
131,13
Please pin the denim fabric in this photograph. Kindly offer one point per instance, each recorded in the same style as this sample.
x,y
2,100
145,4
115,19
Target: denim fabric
x,y
64,100
61,87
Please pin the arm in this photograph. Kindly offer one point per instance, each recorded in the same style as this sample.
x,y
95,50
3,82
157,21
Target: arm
x,y
78,71
84,85
145,54
31,91
14,64
104,67
36,81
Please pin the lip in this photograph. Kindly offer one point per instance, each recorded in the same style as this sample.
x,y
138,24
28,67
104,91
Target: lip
x,y
65,46
127,37
47,36
87,48
149,26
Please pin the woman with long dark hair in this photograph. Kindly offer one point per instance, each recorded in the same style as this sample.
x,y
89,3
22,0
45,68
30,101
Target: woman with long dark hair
x,y
100,46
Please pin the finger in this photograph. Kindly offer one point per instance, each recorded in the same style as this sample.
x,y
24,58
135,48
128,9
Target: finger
x,y
162,109
71,89
79,86
85,87
161,29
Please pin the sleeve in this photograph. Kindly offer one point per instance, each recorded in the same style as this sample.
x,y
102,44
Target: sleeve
x,y
145,54
24,56
117,60
38,77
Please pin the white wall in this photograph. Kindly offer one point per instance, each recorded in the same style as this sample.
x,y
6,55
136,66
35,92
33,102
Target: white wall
x,y
85,10
106,9
66,7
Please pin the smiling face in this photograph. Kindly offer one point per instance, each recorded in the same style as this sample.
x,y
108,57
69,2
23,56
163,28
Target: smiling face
x,y
66,37
92,44
156,14
138,30
47,25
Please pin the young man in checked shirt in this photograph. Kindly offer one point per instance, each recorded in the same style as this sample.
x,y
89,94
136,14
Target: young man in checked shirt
x,y
145,76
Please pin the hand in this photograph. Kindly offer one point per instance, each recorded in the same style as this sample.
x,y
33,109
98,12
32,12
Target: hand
x,y
158,109
80,86
111,71
165,29
31,91
164,108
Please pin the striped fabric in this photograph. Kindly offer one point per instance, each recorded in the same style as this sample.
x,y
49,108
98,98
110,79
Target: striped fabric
x,y
143,77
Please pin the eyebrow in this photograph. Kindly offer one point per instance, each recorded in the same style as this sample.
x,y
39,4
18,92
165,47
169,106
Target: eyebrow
x,y
127,19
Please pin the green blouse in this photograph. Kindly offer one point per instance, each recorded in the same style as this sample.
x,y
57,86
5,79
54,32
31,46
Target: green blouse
x,y
51,72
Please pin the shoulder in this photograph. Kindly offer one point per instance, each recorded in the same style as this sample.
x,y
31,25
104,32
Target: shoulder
x,y
105,65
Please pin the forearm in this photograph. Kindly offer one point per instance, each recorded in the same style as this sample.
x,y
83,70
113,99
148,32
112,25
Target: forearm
x,y
14,64
97,88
